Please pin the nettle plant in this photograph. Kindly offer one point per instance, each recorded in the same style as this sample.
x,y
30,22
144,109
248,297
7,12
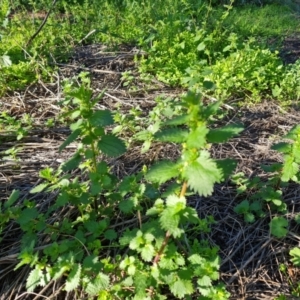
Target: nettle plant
x,y
159,255
262,195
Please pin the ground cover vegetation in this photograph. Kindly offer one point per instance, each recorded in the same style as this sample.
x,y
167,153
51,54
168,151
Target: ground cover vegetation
x,y
136,195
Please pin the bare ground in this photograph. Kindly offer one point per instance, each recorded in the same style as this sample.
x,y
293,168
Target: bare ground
x,y
250,256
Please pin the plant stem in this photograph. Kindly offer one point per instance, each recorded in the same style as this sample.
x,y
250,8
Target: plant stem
x,y
168,234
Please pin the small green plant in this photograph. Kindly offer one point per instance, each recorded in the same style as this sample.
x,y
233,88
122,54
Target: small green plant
x,y
270,193
162,252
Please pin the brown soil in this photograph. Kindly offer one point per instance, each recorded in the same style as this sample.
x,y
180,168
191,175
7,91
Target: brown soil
x,y
250,256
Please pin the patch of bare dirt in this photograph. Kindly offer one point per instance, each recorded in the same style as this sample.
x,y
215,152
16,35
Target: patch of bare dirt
x,y
250,256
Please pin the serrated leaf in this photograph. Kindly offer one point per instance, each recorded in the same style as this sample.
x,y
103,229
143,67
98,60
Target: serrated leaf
x,y
72,163
222,135
5,61
290,169
162,171
197,137
111,145
172,135
295,253
242,208
73,278
169,220
179,120
147,252
39,188
126,205
209,85
181,288
202,174
101,118
227,166
98,284
33,279
71,138
249,217
293,133
282,147
110,234
12,198
278,226
27,215
140,282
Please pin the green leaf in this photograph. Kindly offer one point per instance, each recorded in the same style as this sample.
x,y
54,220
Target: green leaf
x,y
140,282
179,120
110,234
111,145
33,279
282,147
169,220
72,163
73,278
242,208
101,118
147,252
5,61
209,85
201,46
293,133
202,174
290,169
71,138
172,135
278,226
249,217
197,137
227,166
162,171
101,282
181,288
222,135
12,198
27,215
295,253
39,188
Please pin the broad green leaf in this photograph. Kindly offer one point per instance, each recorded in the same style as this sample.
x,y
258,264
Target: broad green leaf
x,y
181,288
210,109
192,98
202,174
209,85
201,46
126,205
5,61
140,282
227,166
71,138
111,145
290,169
172,135
27,215
242,208
101,118
147,252
110,234
73,278
33,279
98,284
162,171
12,198
179,120
197,137
295,253
39,188
294,133
282,147
146,146
249,217
169,220
222,135
278,226
72,163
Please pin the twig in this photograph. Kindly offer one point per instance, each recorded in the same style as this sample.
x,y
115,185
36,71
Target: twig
x,y
42,24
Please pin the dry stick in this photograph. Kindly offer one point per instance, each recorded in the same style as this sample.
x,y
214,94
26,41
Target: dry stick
x,y
168,234
42,24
